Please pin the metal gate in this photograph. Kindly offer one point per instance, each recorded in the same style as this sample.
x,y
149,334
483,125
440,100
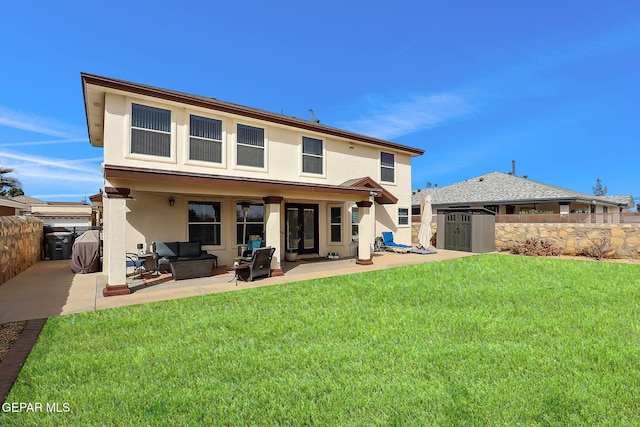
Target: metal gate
x,y
457,231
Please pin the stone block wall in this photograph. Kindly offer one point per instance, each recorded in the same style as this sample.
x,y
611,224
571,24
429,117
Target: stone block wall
x,y
574,239
20,245
570,239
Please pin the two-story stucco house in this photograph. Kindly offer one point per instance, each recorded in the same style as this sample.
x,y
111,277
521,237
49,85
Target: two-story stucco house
x,y
179,167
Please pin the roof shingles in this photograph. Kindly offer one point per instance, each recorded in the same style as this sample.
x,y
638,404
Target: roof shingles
x,y
502,188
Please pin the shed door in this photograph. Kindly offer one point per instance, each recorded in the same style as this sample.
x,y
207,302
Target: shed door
x,y
457,231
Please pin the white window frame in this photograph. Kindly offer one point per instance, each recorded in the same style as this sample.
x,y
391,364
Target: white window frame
x,y
128,131
188,138
264,148
392,168
321,156
218,222
355,210
408,216
241,222
332,224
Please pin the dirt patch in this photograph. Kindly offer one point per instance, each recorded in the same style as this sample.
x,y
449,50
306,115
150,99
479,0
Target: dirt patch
x,y
9,333
584,258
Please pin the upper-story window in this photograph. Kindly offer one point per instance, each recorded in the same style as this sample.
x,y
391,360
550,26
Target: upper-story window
x,y
205,139
150,130
312,155
250,146
387,167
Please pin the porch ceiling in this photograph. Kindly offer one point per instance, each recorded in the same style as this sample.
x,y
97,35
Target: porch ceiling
x,y
269,186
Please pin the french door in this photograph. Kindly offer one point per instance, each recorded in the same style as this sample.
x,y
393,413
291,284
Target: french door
x,y
301,224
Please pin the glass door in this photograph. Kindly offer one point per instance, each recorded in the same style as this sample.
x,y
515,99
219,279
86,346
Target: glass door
x,y
302,228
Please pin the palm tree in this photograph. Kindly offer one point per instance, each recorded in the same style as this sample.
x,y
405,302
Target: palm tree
x,y
7,182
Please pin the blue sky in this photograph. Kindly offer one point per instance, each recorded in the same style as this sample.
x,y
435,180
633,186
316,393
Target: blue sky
x,y
554,85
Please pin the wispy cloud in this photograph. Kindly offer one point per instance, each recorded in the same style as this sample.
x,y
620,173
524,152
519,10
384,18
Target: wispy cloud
x,y
48,142
78,165
50,178
394,119
34,123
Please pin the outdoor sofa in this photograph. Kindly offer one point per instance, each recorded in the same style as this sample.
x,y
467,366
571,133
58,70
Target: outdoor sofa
x,y
185,260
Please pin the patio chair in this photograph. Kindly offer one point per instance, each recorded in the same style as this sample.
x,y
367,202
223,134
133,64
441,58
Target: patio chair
x,y
139,265
253,245
387,238
259,266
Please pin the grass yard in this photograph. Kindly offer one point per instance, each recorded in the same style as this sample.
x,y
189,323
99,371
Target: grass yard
x,y
484,340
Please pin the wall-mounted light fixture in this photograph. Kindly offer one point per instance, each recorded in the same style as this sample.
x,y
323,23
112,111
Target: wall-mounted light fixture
x,y
171,201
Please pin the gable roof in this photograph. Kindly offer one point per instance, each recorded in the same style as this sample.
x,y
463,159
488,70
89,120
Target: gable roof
x,y
94,88
498,188
382,196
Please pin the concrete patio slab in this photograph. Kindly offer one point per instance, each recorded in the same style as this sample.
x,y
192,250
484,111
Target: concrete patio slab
x,y
50,288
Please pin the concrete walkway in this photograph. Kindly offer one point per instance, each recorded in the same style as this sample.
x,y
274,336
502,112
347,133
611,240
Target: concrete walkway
x,y
50,288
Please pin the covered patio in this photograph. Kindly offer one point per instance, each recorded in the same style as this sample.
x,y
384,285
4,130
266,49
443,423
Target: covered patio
x,y
314,219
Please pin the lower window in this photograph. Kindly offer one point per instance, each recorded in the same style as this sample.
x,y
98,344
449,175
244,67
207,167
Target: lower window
x,y
254,224
336,224
204,223
403,216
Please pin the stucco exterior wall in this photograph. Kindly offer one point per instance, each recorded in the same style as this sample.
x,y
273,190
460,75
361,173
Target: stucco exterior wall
x,y
150,218
343,159
20,245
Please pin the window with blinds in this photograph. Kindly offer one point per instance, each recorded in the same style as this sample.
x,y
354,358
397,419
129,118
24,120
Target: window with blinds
x,y
150,130
387,167
205,139
312,155
250,146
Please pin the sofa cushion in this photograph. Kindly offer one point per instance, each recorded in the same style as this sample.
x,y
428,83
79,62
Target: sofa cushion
x,y
167,249
189,249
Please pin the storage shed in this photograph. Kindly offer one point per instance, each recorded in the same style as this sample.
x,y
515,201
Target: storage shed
x,y
469,230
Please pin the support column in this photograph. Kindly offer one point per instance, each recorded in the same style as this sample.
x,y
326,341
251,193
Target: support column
x,y
114,250
272,234
365,226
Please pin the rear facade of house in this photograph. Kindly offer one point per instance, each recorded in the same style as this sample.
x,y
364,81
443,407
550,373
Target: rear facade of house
x,y
179,167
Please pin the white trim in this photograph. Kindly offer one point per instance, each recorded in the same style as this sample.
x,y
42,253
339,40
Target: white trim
x,y
128,128
330,224
408,224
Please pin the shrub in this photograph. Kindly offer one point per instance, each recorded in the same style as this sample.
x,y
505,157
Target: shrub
x,y
533,246
600,246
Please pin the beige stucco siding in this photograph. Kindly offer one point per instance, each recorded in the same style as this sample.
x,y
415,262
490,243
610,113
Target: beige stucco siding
x,y
283,149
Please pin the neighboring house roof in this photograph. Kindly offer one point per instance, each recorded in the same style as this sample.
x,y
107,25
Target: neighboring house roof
x,y
499,188
12,203
94,107
27,200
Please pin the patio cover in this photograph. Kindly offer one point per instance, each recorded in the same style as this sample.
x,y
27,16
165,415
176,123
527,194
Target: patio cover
x,y
85,254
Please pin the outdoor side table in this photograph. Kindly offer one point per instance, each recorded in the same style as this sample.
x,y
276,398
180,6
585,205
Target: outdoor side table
x,y
237,268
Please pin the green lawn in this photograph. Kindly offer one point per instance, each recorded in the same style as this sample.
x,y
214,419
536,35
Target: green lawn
x,y
484,340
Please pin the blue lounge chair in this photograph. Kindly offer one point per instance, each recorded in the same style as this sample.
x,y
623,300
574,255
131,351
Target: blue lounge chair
x,y
387,238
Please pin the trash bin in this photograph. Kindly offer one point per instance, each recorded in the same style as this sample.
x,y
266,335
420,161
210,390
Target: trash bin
x,y
59,245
